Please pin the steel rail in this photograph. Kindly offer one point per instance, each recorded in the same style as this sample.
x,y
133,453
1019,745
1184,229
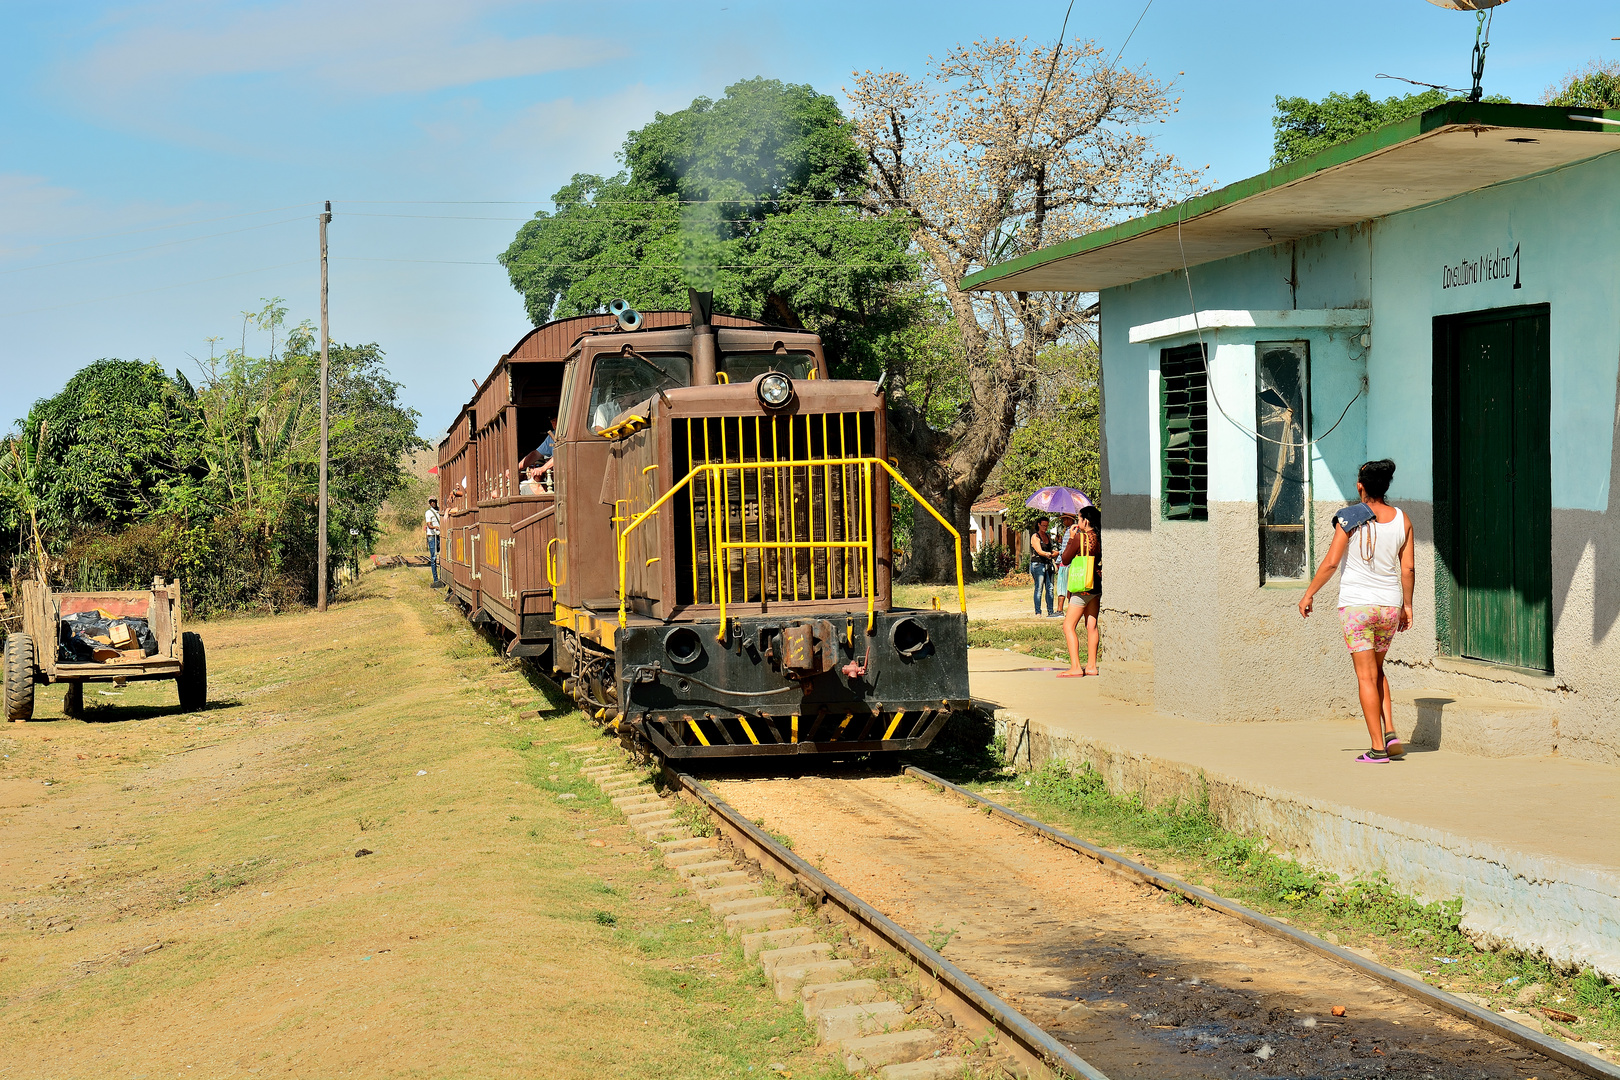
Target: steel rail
x,y
993,1014
1525,1036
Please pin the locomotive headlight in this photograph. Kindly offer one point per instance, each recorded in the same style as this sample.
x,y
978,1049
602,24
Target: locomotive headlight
x,y
775,390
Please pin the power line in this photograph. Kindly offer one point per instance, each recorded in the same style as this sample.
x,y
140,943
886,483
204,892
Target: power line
x,y
614,266
844,199
176,225
1132,34
149,247
160,288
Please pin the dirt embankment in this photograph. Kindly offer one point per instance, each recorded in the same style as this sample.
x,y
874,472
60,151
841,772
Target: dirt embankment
x,y
182,893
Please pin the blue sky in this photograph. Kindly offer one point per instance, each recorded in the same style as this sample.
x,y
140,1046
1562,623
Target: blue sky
x,y
435,127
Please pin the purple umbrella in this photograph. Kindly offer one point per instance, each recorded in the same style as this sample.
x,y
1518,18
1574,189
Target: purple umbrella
x,y
1058,500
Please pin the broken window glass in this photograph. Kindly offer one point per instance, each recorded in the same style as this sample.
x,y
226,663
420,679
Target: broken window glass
x,y
1282,418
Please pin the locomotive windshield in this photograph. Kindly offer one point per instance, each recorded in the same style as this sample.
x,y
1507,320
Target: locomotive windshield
x,y
624,380
746,366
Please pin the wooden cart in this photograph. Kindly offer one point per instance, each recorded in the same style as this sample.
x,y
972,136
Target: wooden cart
x,y
32,656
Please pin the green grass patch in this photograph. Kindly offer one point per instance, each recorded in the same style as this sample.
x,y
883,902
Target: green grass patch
x,y
1038,637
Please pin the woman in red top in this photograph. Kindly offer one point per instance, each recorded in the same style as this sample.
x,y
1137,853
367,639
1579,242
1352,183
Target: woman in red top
x,y
1086,539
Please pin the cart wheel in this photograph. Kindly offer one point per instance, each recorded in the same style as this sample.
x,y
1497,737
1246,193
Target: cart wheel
x,y
193,680
19,664
73,701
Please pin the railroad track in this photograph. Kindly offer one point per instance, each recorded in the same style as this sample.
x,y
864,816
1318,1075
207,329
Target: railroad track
x,y
1065,958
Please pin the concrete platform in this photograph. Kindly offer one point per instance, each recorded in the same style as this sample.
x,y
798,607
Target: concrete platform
x,y
1531,844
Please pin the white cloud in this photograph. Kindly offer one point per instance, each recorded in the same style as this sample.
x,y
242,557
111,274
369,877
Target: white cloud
x,y
37,215
565,135
361,48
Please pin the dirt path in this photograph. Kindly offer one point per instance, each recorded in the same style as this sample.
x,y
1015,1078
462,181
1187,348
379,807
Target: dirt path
x,y
1137,985
182,894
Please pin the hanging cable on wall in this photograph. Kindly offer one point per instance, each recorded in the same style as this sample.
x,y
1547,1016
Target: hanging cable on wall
x,y
1186,272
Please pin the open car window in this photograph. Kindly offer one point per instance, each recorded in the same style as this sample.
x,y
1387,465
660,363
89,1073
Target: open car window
x,y
619,382
741,367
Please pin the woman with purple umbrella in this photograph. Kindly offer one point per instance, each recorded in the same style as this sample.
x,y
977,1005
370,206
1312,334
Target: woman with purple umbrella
x,y
1066,502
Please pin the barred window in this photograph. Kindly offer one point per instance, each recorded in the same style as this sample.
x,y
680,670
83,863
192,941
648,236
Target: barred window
x,y
1184,434
1282,418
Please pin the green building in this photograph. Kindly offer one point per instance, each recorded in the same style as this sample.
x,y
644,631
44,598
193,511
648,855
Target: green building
x,y
1445,292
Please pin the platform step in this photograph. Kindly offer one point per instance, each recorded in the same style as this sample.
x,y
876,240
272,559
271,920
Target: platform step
x,y
739,905
756,943
722,893
818,997
871,1051
685,843
775,919
940,1068
790,979
651,817
693,854
852,1021
794,954
1480,726
718,881
1126,680
704,869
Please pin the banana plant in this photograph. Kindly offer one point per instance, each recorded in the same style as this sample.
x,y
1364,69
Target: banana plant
x,y
21,473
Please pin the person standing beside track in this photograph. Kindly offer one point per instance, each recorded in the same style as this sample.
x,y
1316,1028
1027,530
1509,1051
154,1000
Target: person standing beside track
x,y
430,526
1373,542
1040,564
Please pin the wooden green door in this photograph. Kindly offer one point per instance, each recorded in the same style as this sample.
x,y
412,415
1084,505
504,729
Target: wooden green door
x,y
1501,491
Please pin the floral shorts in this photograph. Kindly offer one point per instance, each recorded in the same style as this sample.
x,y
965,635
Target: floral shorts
x,y
1370,627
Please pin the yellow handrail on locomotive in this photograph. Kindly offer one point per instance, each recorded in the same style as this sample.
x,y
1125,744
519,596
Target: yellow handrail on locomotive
x,y
723,581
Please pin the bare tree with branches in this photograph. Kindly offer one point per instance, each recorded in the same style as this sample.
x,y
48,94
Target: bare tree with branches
x,y
1001,148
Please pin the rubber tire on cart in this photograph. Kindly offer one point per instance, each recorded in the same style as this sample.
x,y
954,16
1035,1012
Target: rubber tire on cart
x,y
73,701
193,679
19,664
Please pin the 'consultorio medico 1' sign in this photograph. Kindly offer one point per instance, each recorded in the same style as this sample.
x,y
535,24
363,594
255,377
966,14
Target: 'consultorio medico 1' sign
x,y
1493,267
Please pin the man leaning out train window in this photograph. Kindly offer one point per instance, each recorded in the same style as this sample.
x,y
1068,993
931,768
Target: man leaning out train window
x,y
535,467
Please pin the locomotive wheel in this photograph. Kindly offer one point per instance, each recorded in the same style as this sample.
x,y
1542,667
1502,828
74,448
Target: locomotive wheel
x,y
73,701
19,665
193,680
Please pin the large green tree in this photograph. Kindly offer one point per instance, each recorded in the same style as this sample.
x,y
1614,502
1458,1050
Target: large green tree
x,y
1302,126
1596,86
131,472
751,197
120,438
1057,442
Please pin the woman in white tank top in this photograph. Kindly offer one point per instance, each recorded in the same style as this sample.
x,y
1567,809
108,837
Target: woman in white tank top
x,y
1372,549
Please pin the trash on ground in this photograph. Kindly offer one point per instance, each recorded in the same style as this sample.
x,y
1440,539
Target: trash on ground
x,y
1338,1010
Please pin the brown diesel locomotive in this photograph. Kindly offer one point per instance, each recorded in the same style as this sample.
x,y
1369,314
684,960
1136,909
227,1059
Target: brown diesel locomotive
x,y
706,566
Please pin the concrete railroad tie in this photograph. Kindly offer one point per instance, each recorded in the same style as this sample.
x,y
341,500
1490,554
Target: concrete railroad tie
x,y
868,1028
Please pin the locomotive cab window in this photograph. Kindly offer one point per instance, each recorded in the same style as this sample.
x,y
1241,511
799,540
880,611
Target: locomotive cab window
x,y
621,381
741,367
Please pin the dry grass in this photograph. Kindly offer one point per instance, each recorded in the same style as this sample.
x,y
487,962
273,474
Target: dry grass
x,y
495,930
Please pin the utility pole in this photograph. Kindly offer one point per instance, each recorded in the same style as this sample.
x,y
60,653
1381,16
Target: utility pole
x,y
320,600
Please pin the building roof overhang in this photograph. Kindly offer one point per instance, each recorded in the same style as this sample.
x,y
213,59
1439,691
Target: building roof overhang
x,y
1439,154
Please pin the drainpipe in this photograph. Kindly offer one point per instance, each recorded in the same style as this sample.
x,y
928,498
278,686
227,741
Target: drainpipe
x,y
703,358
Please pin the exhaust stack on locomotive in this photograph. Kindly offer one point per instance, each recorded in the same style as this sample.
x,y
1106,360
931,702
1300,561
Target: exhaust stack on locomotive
x,y
710,570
